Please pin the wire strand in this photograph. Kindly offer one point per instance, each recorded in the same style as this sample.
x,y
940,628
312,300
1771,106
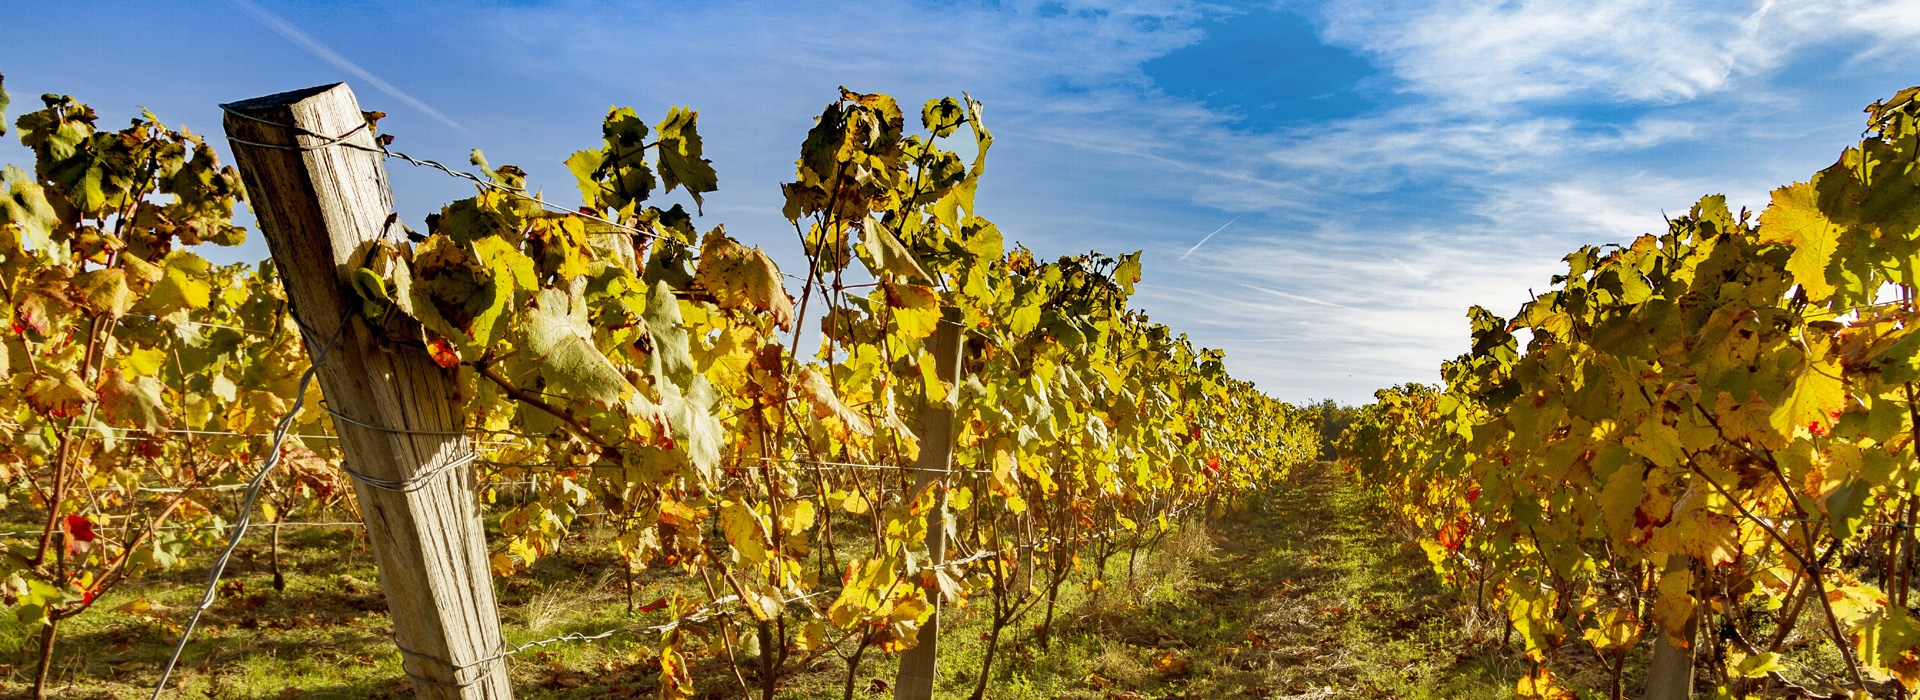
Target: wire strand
x,y
245,517
382,150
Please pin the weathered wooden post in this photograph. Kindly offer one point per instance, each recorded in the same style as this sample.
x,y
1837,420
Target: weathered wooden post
x,y
917,667
321,201
1670,674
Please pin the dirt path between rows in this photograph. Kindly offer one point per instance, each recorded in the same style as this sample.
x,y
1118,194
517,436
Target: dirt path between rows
x,y
1305,596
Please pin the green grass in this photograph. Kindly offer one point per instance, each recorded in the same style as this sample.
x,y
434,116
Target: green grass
x,y
1297,596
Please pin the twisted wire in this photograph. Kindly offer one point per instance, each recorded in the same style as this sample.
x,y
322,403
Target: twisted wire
x,y
319,352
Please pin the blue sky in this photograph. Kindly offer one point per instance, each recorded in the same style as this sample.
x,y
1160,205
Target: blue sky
x,y
1379,165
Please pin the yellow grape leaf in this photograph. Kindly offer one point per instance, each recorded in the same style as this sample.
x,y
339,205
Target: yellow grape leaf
x,y
887,255
501,563
140,362
960,498
1853,604
140,273
930,376
1755,666
132,404
742,279
107,291
1658,442
1532,614
1614,631
766,603
1892,643
1708,537
1540,686
797,517
912,610
1794,218
746,532
915,309
60,396
182,285
1172,664
1810,404
1620,500
676,679
1749,420
813,635
1673,607
826,404
507,271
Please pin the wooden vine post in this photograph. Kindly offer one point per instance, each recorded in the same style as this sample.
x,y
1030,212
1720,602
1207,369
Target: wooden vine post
x,y
1670,673
917,667
321,202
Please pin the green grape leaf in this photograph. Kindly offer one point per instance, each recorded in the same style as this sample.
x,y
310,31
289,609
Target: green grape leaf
x,y
691,403
1847,508
672,349
679,152
4,101
694,414
25,204
559,336
886,255
371,287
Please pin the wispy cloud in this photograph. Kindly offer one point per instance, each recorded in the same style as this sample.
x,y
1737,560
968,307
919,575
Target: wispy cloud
x,y
1508,133
1487,54
325,53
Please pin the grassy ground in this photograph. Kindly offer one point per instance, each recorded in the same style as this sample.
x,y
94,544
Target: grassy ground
x,y
1294,597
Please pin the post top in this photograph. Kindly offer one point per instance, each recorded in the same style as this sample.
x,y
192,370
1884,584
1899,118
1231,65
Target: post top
x,y
284,98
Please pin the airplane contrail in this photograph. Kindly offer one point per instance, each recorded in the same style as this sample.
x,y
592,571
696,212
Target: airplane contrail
x,y
1295,297
320,51
1209,237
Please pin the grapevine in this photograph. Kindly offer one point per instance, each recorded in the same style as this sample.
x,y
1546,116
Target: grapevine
x,y
1698,438
633,370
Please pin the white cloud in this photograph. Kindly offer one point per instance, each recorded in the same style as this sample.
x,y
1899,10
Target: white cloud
x,y
1363,240
1477,55
1506,133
